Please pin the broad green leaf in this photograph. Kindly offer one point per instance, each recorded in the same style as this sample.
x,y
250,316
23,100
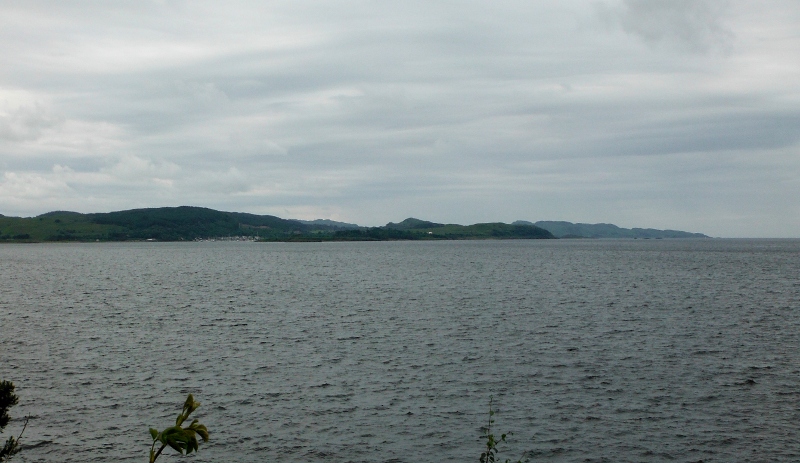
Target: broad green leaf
x,y
202,431
175,446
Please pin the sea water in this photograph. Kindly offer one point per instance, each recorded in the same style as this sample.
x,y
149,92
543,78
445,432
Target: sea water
x,y
591,350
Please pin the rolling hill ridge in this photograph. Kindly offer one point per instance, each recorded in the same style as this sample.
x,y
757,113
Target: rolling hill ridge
x,y
187,223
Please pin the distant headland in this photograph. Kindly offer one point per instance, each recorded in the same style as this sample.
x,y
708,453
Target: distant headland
x,y
606,230
186,223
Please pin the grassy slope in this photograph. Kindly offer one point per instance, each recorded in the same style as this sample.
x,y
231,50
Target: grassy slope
x,y
54,227
165,224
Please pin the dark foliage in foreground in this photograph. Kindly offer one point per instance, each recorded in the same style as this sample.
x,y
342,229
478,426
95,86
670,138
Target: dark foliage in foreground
x,y
182,440
492,443
7,400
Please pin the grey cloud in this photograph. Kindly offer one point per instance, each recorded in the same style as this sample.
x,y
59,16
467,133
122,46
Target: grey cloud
x,y
373,112
26,123
695,25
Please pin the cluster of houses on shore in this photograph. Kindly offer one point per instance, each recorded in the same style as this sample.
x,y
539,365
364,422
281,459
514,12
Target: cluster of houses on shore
x,y
229,238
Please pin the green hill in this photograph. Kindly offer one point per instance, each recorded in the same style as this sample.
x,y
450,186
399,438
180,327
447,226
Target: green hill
x,y
186,223
413,224
494,230
415,229
163,224
433,230
55,226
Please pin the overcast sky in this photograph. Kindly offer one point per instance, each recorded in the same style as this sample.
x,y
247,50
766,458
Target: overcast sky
x,y
643,113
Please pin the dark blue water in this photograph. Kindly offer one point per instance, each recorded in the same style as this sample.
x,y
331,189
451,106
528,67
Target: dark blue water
x,y
618,351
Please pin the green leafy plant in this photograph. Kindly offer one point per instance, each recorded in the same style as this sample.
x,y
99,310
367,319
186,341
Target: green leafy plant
x,y
7,400
183,440
490,455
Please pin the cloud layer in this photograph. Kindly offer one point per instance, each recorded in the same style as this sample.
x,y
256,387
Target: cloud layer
x,y
666,114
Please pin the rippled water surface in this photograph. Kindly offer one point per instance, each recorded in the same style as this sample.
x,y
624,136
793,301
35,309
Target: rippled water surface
x,y
594,350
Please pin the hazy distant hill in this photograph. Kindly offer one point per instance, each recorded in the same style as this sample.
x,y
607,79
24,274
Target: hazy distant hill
x,y
332,224
606,230
268,222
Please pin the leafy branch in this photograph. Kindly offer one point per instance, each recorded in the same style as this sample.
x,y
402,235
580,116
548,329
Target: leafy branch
x,y
183,440
490,455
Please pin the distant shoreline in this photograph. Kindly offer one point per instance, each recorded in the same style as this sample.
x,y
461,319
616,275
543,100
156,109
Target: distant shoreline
x,y
187,223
